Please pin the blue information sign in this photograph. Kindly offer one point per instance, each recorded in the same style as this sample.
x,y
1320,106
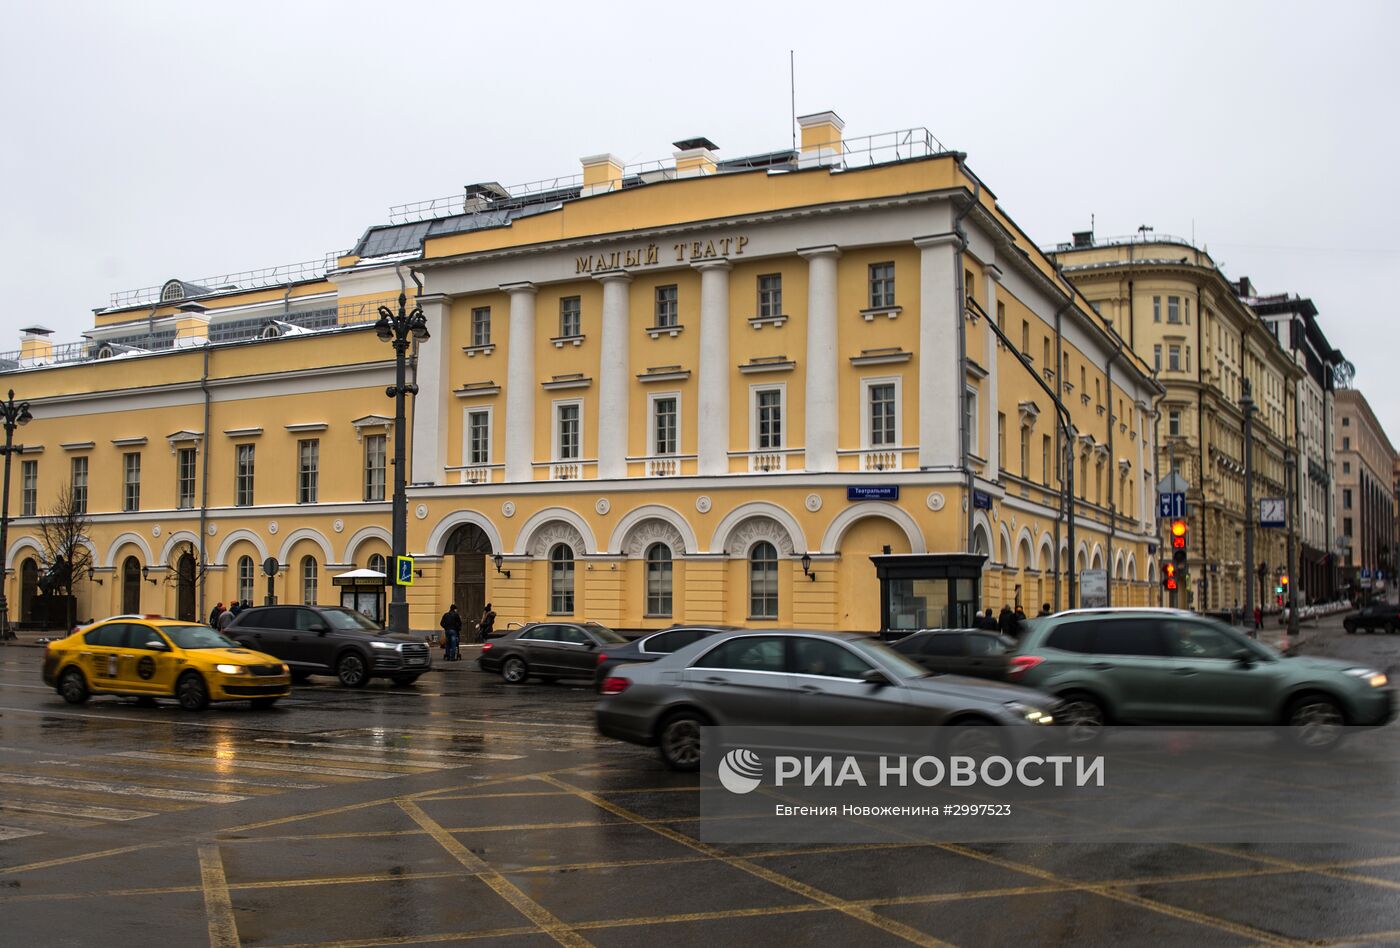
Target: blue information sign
x,y
1171,506
890,492
981,500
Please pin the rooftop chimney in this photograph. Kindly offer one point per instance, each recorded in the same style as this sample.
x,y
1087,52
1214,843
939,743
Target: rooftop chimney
x,y
694,157
601,173
821,139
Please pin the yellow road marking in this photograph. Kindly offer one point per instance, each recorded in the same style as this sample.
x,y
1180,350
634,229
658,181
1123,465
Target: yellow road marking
x,y
218,907
502,886
860,913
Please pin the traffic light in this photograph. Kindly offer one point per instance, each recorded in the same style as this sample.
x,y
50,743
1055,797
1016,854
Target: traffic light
x,y
1178,542
1169,577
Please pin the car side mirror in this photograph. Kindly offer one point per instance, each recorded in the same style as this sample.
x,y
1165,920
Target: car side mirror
x,y
590,644
1244,658
319,628
875,677
155,646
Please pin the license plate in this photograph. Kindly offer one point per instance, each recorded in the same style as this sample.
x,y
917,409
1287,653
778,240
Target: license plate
x,y
416,661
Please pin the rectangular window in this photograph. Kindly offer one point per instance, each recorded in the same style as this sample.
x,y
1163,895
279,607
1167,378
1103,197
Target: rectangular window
x,y
664,423
1001,440
567,432
1173,309
1346,422
881,285
1346,498
1346,526
1026,338
1083,380
1156,309
1001,316
1157,357
481,326
1045,352
1025,452
882,415
1188,358
479,437
1346,466
1174,424
667,306
1346,444
376,467
184,478
243,476
29,489
770,295
571,316
308,470
970,408
131,482
1174,358
1045,466
79,485
768,419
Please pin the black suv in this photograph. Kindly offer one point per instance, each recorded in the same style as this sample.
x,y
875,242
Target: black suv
x,y
330,640
1377,617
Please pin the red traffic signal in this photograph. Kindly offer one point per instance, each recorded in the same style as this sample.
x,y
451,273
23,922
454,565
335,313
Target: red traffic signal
x,y
1169,576
1178,534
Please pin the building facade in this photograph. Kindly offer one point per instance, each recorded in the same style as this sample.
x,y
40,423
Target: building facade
x,y
1293,321
1176,310
1365,497
741,391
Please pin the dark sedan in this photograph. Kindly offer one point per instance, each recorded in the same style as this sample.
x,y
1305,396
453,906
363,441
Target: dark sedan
x,y
652,646
547,651
330,640
977,653
1377,617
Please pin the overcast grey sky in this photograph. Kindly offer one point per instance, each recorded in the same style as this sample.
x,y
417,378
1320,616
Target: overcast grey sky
x,y
157,139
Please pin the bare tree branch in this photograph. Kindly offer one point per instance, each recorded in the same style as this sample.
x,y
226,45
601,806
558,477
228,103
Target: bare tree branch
x,y
64,533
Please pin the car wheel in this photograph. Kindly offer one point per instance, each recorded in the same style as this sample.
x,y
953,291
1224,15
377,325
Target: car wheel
x,y
262,704
1316,723
405,679
73,687
976,738
351,670
514,670
679,740
191,692
1083,717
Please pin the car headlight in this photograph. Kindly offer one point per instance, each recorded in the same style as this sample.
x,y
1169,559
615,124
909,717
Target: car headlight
x,y
387,645
1033,715
230,669
1369,675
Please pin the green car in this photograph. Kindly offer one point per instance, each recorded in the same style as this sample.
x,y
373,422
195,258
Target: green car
x,y
1168,667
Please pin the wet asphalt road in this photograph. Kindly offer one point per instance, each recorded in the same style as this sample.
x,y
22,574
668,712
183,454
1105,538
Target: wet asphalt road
x,y
465,811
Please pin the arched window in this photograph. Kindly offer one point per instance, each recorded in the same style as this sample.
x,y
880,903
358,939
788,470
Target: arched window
x,y
245,579
378,563
658,560
561,580
763,581
131,585
308,580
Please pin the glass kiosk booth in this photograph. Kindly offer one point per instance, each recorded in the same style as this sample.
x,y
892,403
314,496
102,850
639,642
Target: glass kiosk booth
x,y
928,591
363,591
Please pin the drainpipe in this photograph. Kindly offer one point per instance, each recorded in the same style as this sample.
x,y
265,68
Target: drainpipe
x,y
960,308
1112,469
204,484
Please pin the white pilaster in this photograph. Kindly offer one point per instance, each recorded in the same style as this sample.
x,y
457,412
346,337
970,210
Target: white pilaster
x,y
821,415
613,376
994,458
520,382
430,421
939,381
712,412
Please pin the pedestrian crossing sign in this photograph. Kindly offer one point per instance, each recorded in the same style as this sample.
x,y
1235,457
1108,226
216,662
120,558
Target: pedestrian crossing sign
x,y
403,571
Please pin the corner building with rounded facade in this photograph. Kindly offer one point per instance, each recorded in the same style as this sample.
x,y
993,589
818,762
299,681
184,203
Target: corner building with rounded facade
x,y
743,391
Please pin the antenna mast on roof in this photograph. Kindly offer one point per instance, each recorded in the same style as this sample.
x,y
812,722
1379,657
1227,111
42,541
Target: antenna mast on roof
x,y
792,91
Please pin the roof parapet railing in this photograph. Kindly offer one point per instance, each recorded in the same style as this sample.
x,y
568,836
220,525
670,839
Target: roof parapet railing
x,y
243,280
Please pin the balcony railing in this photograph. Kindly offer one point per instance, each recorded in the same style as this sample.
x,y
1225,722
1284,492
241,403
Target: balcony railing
x,y
565,470
475,473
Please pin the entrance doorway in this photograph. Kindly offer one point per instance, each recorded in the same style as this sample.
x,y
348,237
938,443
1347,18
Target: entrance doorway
x,y
131,586
469,547
184,587
28,587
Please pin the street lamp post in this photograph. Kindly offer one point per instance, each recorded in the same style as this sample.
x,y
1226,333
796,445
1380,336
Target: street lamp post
x,y
400,329
14,414
1247,408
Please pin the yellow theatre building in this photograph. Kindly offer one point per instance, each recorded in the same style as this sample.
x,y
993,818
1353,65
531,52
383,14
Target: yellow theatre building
x,y
741,390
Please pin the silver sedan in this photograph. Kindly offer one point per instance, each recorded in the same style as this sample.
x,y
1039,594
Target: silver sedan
x,y
781,678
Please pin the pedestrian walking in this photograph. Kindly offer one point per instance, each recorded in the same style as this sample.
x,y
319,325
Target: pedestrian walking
x,y
234,608
487,625
452,627
1044,610
1018,621
214,614
1258,618
1006,621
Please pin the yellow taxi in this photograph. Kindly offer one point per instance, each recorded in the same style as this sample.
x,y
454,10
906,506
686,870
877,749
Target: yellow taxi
x,y
154,657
